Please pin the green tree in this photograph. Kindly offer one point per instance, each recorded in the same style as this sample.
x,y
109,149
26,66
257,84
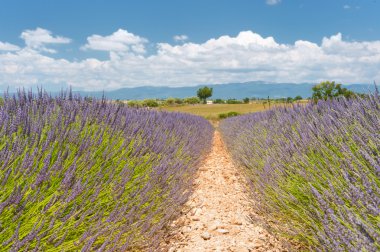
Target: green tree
x,y
298,98
204,93
246,100
328,90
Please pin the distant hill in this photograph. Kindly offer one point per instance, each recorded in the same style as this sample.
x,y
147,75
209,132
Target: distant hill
x,y
257,89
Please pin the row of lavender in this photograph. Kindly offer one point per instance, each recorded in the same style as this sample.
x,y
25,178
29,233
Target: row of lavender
x,y
315,170
81,174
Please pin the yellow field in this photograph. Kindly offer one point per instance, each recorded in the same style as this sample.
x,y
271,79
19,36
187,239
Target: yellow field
x,y
212,111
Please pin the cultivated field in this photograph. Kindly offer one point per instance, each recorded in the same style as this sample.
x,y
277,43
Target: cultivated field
x,y
315,170
81,175
93,175
212,111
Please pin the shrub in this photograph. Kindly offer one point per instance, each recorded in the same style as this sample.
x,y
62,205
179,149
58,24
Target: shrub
x,y
150,103
178,101
229,114
222,116
134,104
169,101
234,101
219,101
192,100
315,170
118,101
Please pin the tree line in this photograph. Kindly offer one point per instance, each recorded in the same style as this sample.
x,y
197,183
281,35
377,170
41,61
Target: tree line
x,y
322,91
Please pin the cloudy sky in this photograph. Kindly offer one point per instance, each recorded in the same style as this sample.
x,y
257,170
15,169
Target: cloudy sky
x,y
110,44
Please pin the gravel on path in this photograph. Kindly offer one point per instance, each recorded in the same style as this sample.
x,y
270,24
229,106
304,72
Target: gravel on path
x,y
220,209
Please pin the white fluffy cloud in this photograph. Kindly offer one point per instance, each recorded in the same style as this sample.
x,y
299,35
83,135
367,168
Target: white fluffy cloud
x,y
8,47
245,57
119,41
180,38
272,2
38,39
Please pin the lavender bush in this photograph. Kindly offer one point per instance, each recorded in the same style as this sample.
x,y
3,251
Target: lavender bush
x,y
82,174
315,170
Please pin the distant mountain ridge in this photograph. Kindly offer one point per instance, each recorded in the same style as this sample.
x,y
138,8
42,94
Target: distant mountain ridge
x,y
253,89
258,89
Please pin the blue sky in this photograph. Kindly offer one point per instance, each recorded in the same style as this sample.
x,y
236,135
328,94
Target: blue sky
x,y
287,21
87,44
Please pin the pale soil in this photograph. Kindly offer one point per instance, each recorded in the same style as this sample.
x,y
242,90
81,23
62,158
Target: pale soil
x,y
218,216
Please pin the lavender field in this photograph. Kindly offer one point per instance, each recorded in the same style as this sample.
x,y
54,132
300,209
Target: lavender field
x,y
78,174
315,170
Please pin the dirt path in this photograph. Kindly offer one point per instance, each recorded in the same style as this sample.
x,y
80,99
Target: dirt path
x,y
219,216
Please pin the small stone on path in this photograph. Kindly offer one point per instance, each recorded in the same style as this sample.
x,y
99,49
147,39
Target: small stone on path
x,y
223,231
206,236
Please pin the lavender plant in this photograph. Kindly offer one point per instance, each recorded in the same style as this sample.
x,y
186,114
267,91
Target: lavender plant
x,y
315,170
85,174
